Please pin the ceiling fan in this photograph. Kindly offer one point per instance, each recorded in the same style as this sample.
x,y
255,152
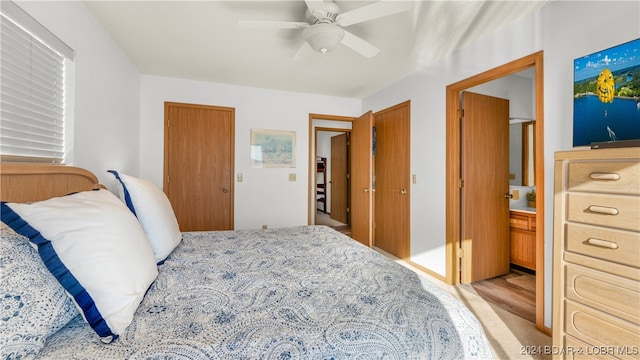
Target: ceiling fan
x,y
324,22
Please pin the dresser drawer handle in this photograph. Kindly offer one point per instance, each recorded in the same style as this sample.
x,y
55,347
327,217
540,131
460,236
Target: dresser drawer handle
x,y
603,210
604,176
603,243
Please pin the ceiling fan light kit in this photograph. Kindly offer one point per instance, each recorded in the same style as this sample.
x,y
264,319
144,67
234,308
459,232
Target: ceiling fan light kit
x,y
323,37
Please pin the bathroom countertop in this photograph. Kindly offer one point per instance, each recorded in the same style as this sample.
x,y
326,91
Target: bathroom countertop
x,y
525,209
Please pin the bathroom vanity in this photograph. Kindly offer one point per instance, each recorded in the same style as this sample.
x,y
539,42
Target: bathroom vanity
x,y
522,229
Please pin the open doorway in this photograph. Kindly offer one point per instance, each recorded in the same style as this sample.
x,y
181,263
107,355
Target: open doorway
x,y
321,129
459,248
513,286
332,179
361,170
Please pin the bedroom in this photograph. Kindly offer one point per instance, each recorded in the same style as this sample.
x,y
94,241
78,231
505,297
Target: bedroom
x,y
118,111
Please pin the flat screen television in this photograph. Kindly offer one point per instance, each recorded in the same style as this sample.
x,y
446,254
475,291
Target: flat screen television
x,y
606,97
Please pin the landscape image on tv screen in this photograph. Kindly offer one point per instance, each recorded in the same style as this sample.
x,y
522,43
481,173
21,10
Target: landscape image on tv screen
x,y
606,95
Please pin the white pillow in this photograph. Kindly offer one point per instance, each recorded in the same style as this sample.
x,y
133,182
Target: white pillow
x,y
153,209
96,249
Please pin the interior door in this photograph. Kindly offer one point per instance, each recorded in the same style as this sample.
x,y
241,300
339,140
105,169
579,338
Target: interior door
x,y
339,179
393,180
199,158
485,176
362,186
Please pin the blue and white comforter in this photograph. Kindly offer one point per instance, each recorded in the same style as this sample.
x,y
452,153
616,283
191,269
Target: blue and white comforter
x,y
295,293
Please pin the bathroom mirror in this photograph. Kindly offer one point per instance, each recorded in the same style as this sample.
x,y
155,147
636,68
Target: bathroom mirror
x,y
521,152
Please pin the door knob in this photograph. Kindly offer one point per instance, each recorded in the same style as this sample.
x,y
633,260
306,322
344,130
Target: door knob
x,y
508,196
225,190
369,190
403,192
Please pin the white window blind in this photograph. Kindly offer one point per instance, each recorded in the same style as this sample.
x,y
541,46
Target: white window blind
x,y
32,89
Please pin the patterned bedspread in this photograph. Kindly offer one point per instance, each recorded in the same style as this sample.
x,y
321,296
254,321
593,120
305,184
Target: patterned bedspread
x,y
295,293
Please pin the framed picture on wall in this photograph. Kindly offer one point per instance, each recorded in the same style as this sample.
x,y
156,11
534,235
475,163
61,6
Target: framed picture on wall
x,y
606,97
273,149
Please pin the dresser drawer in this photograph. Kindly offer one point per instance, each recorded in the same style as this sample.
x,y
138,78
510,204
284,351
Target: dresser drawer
x,y
605,292
576,349
617,211
616,177
599,329
618,246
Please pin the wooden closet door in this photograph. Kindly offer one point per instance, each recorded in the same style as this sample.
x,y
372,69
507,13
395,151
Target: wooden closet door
x,y
198,165
362,179
339,180
393,180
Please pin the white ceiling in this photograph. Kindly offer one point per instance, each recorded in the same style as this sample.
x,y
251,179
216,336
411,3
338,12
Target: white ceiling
x,y
201,40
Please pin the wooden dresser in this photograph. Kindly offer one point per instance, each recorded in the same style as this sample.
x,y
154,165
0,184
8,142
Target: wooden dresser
x,y
596,265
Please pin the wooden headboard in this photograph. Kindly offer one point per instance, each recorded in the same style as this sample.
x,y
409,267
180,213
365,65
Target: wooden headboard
x,y
34,182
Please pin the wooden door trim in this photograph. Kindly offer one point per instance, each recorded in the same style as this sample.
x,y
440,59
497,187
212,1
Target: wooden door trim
x,y
312,153
534,60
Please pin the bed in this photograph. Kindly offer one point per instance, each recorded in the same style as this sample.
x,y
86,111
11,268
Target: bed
x,y
306,292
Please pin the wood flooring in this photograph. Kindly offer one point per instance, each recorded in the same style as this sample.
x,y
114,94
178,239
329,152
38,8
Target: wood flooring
x,y
323,218
514,292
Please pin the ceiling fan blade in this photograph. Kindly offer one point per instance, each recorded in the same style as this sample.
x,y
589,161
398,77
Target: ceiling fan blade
x,y
304,51
358,44
373,11
262,24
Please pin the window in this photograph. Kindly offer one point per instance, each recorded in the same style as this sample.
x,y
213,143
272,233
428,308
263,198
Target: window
x,y
32,90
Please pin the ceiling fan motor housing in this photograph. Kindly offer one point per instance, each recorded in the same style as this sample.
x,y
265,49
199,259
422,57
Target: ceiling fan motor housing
x,y
326,15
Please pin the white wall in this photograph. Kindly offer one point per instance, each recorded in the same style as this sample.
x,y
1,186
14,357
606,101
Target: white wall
x,y
266,196
106,94
559,29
